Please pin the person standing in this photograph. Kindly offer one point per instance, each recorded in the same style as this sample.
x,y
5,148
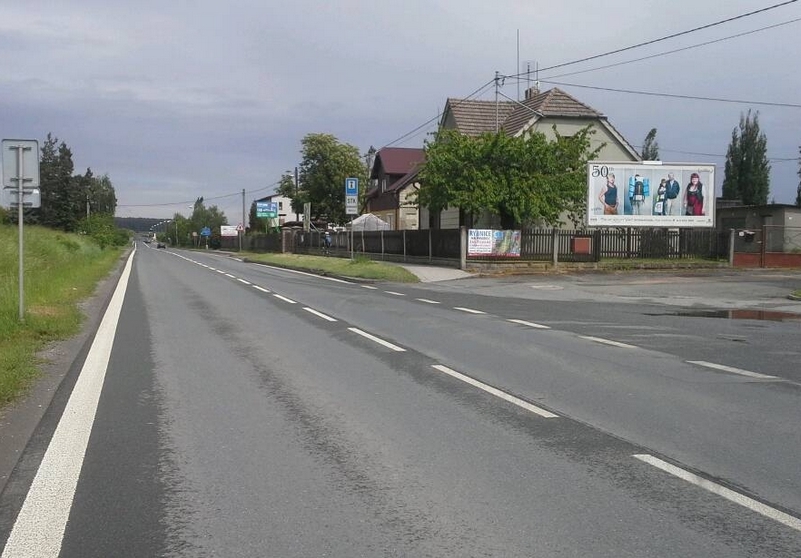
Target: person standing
x,y
638,191
608,196
660,200
694,196
672,194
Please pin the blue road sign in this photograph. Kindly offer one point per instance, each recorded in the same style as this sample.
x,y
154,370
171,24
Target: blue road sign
x,y
205,231
268,210
351,186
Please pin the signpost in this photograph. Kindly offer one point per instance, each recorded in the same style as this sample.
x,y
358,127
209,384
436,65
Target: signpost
x,y
21,172
205,232
351,203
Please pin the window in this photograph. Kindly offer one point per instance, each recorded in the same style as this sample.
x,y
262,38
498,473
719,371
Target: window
x,y
384,184
280,206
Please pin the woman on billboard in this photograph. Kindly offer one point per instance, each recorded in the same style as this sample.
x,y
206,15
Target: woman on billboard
x,y
608,196
694,196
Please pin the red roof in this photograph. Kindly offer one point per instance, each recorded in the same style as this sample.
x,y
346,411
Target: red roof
x,y
399,160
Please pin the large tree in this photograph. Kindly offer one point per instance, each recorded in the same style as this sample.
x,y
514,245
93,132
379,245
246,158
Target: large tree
x,y
521,179
650,147
325,165
747,171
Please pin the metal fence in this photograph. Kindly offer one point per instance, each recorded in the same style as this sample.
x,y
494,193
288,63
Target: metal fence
x,y
420,245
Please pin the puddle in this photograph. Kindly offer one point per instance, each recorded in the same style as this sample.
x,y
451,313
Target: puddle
x,y
746,314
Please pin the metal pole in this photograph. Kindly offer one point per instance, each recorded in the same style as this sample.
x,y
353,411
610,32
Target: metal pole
x,y
294,202
242,232
497,117
20,201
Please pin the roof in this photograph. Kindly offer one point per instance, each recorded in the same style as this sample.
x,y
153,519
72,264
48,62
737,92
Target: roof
x,y
399,160
475,117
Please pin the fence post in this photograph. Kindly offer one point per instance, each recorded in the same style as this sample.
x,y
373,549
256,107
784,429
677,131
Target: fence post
x,y
555,246
404,245
463,248
763,256
732,237
382,244
430,248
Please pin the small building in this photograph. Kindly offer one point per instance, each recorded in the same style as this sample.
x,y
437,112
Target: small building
x,y
779,223
393,185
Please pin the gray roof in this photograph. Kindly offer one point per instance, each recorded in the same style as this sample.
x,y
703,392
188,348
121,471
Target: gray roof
x,y
475,117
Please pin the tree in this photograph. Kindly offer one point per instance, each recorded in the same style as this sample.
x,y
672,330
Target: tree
x,y
798,191
325,165
520,179
650,147
60,191
286,188
747,171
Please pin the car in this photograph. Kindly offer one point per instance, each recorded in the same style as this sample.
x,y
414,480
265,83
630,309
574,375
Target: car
x,y
161,245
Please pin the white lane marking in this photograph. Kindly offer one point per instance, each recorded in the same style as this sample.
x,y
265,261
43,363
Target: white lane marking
x,y
243,281
212,268
285,299
229,275
394,293
261,289
496,392
427,301
372,288
468,310
376,339
320,314
733,370
715,488
608,342
39,527
219,271
530,324
334,279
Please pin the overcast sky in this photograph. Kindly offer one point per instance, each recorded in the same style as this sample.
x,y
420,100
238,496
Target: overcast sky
x,y
175,100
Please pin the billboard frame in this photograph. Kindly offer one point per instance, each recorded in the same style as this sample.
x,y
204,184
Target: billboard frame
x,y
638,190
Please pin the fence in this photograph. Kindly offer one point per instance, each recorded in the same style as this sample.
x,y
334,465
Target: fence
x,y
770,246
432,245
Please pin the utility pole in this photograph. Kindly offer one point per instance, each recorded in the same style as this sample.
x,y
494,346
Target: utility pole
x,y
242,232
295,201
497,117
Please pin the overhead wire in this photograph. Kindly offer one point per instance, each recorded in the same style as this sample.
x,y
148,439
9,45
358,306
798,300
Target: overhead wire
x,y
205,199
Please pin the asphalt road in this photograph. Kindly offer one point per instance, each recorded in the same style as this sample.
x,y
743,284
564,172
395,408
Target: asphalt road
x,y
252,411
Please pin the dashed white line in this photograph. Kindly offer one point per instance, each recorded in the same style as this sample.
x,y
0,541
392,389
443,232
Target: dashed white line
x,y
395,293
378,340
261,289
212,268
219,271
731,495
733,370
372,288
243,281
319,314
608,342
495,391
229,275
530,324
334,279
428,301
468,310
285,299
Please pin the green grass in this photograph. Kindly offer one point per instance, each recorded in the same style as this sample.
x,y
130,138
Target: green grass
x,y
60,270
797,293
360,268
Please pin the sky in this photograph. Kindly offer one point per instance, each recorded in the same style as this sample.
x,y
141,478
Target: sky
x,y
177,100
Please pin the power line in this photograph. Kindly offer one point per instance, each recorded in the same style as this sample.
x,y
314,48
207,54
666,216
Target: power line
x,y
674,51
718,156
660,39
677,96
205,199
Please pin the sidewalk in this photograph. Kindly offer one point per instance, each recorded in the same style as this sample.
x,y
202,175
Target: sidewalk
x,y
433,273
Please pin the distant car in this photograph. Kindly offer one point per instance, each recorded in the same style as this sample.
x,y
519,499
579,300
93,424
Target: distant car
x,y
161,245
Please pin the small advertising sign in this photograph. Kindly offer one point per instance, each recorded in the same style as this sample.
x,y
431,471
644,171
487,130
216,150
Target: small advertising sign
x,y
488,242
228,230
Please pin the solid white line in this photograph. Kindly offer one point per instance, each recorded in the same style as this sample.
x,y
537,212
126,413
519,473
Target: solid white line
x,y
733,370
320,314
243,281
334,279
394,293
261,289
39,527
229,275
372,288
495,391
376,339
468,310
530,324
427,301
731,495
285,299
608,342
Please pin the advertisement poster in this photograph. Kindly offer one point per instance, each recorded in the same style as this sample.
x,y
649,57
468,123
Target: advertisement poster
x,y
488,242
228,230
625,194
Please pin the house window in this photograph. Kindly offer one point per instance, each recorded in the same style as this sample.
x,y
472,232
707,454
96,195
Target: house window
x,y
280,206
384,184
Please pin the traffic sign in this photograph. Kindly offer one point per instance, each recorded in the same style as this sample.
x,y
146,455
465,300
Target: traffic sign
x,y
267,210
11,163
205,231
351,196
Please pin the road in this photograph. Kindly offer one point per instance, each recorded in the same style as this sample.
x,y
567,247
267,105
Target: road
x,y
233,409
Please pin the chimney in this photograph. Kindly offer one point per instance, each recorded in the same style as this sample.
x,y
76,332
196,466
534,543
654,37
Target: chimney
x,y
531,92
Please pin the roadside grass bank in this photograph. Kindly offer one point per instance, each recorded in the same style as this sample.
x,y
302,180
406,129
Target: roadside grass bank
x,y
61,269
359,268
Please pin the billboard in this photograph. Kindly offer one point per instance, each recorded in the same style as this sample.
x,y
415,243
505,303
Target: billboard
x,y
488,242
626,194
228,230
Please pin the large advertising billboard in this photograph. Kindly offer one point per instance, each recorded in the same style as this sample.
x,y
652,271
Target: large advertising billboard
x,y
626,194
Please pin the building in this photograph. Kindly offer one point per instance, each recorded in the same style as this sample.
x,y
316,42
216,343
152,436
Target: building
x,y
284,209
393,185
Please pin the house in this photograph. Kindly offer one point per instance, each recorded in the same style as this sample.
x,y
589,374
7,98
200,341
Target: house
x,y
393,180
538,112
284,209
780,224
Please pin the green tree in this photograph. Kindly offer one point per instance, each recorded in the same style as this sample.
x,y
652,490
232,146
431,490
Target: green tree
x,y
650,147
203,216
325,165
61,195
747,171
102,196
520,179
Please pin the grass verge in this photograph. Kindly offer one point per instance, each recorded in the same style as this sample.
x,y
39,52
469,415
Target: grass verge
x,y
360,267
60,270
